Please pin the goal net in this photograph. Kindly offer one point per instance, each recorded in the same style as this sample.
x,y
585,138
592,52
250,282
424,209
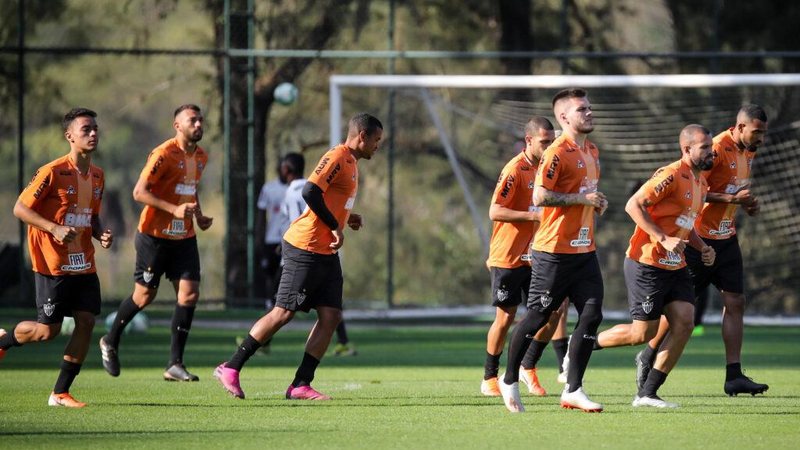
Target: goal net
x,y
453,134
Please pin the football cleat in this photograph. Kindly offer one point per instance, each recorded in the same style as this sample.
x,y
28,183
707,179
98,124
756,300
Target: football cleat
x,y
642,369
511,397
744,385
490,388
698,331
653,401
304,393
229,378
64,400
579,400
178,372
344,350
530,379
110,358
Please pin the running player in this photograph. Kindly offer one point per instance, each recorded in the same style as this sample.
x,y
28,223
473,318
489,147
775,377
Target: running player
x,y
664,210
165,241
515,220
61,206
729,187
564,263
312,274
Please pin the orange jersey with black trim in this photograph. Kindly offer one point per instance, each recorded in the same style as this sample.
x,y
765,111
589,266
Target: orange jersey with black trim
x,y
568,169
731,171
336,175
508,247
173,176
675,198
60,194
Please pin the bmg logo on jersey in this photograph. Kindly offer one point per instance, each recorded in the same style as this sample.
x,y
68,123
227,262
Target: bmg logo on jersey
x,y
79,220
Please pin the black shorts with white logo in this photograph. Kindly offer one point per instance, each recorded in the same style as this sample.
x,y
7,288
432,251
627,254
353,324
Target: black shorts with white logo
x,y
178,259
58,296
556,276
727,273
309,280
651,288
510,286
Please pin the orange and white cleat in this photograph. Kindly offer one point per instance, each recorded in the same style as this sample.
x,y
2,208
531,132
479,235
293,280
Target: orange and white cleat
x,y
579,400
490,388
530,379
64,399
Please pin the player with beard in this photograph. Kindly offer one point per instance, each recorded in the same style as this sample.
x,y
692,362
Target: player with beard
x,y
729,187
564,263
664,210
165,241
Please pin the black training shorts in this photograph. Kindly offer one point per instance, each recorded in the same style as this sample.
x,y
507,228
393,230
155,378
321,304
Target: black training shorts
x,y
556,276
58,295
651,288
727,273
309,280
510,286
177,258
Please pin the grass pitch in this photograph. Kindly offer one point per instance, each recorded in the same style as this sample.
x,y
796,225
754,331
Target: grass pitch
x,y
409,387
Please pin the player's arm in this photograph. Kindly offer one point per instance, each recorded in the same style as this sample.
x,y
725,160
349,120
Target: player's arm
x,y
142,194
203,221
106,237
707,253
312,194
28,215
500,213
545,197
636,207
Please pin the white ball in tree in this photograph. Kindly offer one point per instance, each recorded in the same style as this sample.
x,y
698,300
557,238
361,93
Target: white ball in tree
x,y
285,93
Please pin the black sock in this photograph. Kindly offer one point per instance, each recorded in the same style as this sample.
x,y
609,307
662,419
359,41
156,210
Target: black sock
x,y
305,373
127,309
533,355
649,354
560,347
654,381
181,324
596,345
69,371
582,343
341,334
243,353
9,340
492,365
520,341
733,371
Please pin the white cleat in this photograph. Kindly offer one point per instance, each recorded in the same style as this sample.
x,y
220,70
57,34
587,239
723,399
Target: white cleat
x,y
510,394
654,402
579,400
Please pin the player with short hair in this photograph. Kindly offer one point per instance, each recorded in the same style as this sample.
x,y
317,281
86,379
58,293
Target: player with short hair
x,y
664,210
729,187
515,220
61,206
270,221
564,263
165,240
312,273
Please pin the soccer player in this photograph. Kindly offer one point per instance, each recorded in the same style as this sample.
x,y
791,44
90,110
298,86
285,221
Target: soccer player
x,y
269,220
664,210
61,206
729,187
515,220
564,263
165,241
312,273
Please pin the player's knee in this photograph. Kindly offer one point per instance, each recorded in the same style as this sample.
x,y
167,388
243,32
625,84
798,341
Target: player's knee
x,y
592,316
84,321
281,316
189,298
734,303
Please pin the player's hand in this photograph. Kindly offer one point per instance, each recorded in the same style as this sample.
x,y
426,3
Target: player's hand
x,y
673,244
355,222
64,234
338,239
596,199
600,210
753,208
203,222
185,210
708,255
743,197
106,239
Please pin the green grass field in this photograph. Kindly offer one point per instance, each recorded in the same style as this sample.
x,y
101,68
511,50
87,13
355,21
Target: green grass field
x,y
409,387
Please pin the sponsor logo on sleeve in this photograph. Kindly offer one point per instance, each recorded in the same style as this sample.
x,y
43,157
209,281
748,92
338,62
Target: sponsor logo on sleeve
x,y
322,164
551,170
507,188
659,188
333,173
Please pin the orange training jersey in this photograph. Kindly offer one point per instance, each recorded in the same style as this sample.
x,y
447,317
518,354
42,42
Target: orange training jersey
x,y
337,176
566,168
675,197
173,176
59,193
731,172
510,241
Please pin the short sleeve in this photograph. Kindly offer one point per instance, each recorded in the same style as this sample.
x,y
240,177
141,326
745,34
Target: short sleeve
x,y
154,168
506,188
38,188
549,170
659,186
329,167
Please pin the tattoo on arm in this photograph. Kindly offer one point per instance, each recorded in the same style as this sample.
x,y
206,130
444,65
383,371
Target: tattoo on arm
x,y
550,198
